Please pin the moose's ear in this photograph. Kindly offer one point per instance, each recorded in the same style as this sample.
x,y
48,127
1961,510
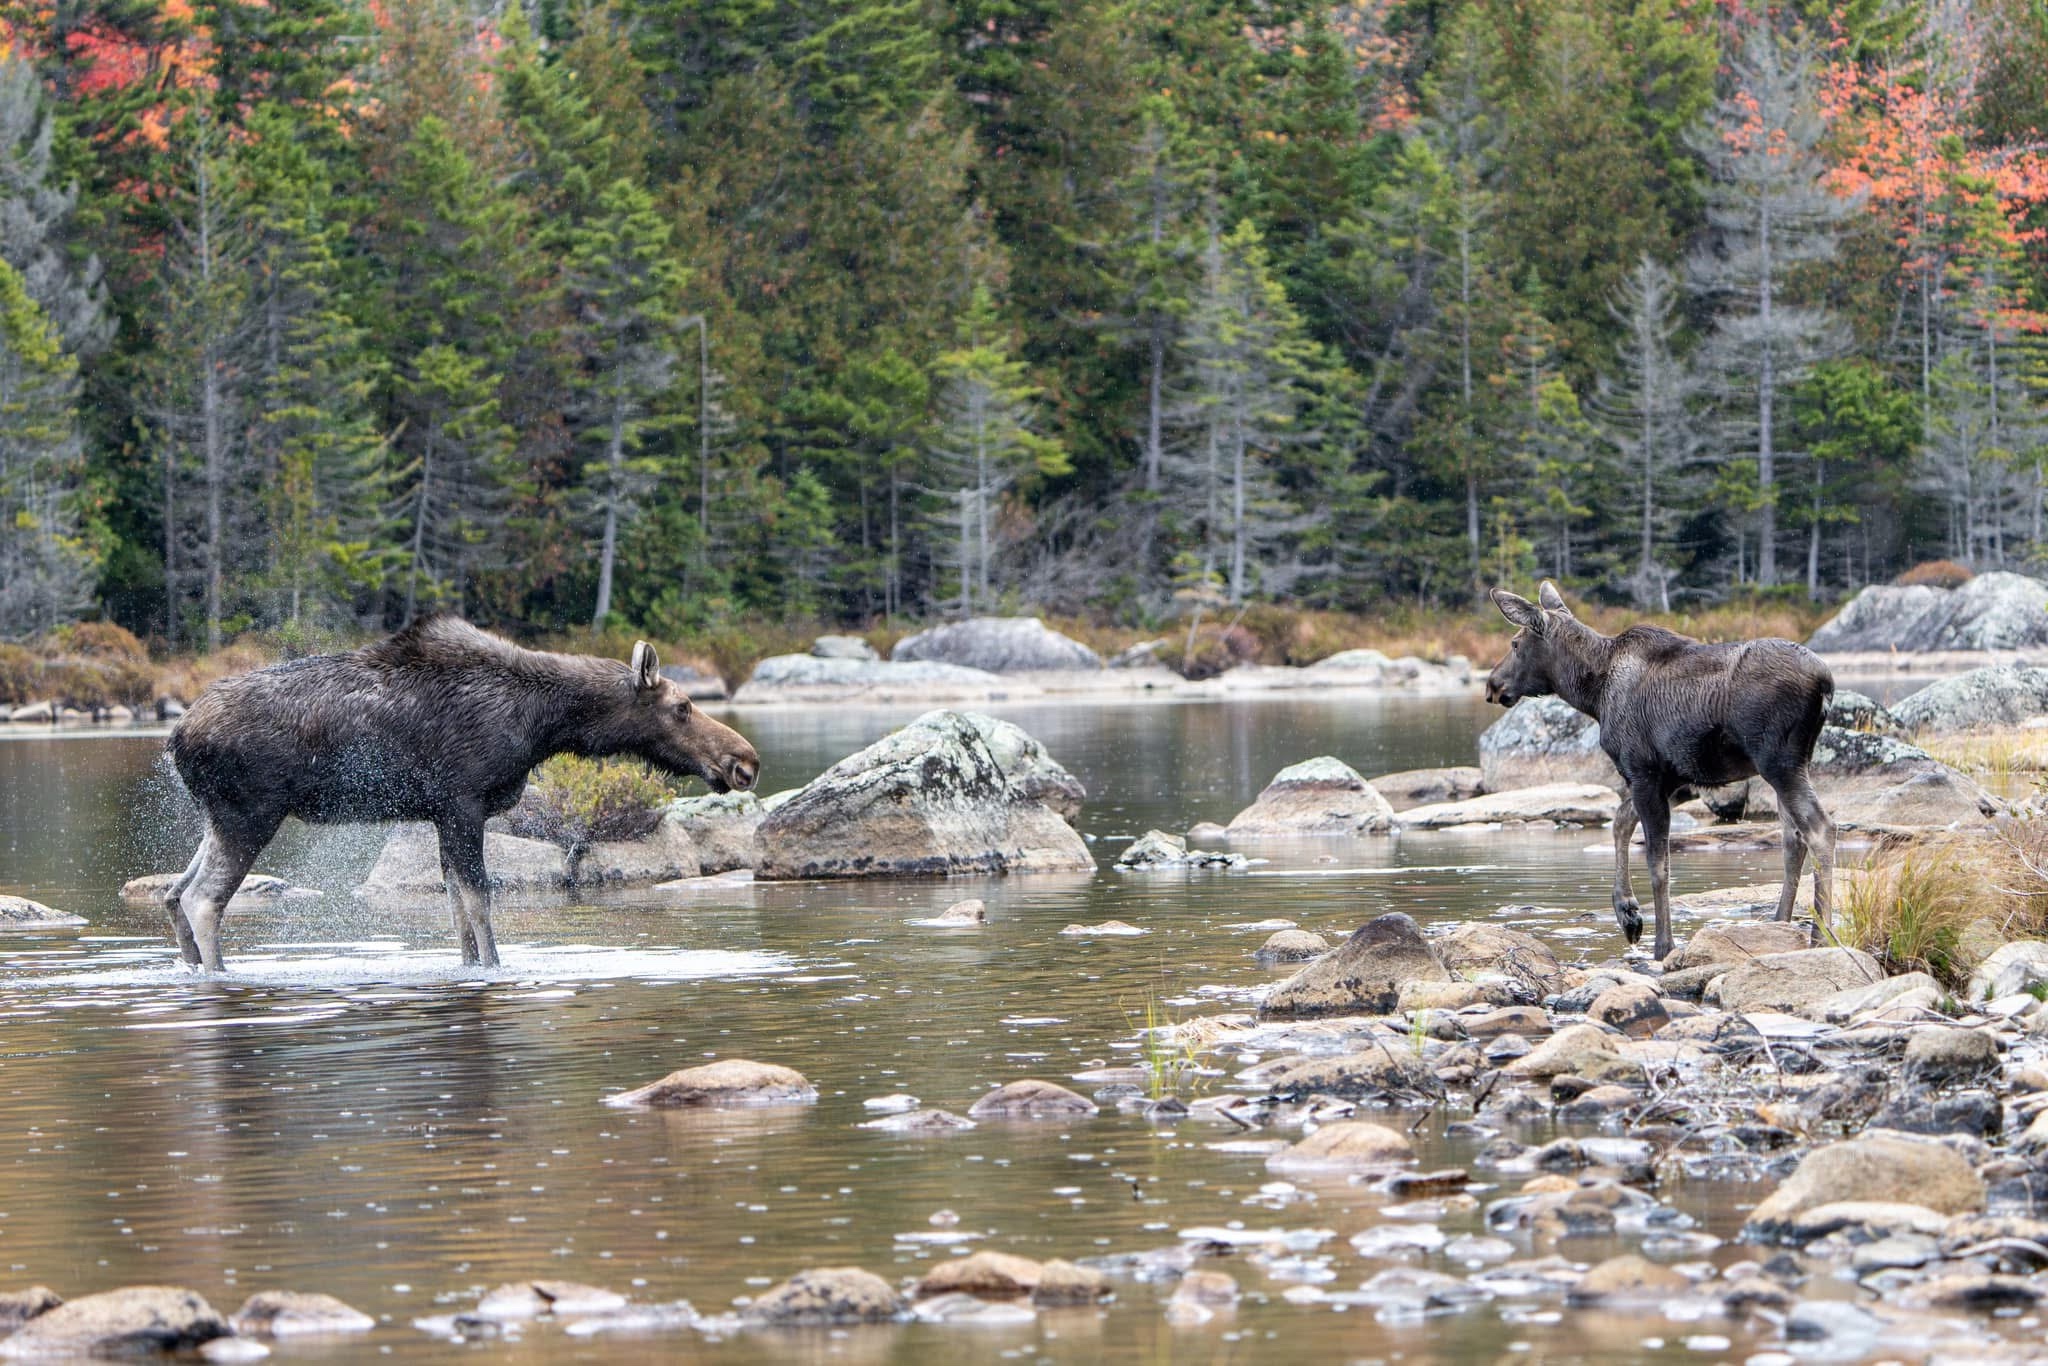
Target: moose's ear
x,y
1520,611
1552,600
646,669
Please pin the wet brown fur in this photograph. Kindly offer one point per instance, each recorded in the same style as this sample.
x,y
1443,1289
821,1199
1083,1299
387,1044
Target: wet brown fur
x,y
1676,715
441,722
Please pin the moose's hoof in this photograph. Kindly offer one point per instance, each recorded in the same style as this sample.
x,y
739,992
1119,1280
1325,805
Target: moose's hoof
x,y
1630,917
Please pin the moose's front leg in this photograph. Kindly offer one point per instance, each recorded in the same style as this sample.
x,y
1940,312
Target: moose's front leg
x,y
1653,808
1627,913
469,887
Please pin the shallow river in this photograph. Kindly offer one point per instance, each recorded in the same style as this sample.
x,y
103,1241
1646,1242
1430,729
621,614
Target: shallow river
x,y
342,1113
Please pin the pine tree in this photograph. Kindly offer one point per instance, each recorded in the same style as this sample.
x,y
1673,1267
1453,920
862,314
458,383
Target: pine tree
x,y
47,566
1644,411
983,444
35,217
1770,212
453,505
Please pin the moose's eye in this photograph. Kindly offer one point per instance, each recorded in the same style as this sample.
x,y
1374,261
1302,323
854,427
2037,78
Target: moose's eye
x,y
683,709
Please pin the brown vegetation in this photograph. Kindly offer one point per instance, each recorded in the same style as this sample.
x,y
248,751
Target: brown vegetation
x,y
1936,574
1937,906
576,802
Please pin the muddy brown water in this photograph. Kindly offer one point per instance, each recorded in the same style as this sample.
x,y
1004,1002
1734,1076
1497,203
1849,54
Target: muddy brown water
x,y
343,1113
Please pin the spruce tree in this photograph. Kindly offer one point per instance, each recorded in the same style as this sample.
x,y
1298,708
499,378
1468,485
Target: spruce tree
x,y
35,217
47,564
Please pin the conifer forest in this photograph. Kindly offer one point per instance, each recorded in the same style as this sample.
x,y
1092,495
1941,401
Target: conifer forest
x,y
660,313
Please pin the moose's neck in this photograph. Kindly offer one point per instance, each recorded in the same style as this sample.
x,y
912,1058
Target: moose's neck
x,y
579,710
1582,661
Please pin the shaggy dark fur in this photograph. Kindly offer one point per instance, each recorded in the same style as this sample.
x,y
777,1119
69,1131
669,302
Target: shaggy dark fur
x,y
441,722
1677,715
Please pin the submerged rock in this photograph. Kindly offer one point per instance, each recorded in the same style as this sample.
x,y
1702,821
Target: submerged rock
x,y
727,1082
1997,611
1292,946
949,793
998,645
828,1295
920,1122
295,1313
1544,741
973,911
151,887
1157,849
1363,975
20,913
132,1321
987,1275
1031,1099
1347,1145
1317,797
1628,1279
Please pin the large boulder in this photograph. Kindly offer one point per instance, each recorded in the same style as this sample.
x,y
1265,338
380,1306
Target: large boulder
x,y
1883,1167
701,684
410,865
1991,612
999,645
1869,779
807,678
1474,947
1361,976
2002,696
1738,941
134,1321
663,854
934,798
1321,796
1428,786
2011,968
727,1083
1544,740
720,827
828,1295
1852,710
1786,982
843,647
1547,804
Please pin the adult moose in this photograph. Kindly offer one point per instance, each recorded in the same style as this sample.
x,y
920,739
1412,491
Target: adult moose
x,y
1676,715
441,722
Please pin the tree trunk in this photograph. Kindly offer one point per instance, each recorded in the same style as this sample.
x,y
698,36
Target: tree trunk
x,y
614,464
1766,451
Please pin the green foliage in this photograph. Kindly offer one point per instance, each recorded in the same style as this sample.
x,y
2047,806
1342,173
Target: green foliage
x,y
577,802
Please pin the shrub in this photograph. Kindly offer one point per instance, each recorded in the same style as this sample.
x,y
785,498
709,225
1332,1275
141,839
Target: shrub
x,y
1914,908
97,640
1213,648
20,672
1936,574
577,802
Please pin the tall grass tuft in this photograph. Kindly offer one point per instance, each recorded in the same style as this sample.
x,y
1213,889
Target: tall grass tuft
x,y
1912,907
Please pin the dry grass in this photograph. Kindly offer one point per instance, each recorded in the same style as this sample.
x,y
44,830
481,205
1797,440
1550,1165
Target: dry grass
x,y
2004,758
1930,907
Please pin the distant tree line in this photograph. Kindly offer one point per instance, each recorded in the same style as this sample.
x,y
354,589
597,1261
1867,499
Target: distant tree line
x,y
664,312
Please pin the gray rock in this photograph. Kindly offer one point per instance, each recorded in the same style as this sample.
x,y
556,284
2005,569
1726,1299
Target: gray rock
x,y
720,828
842,647
1346,1145
150,887
949,793
410,865
727,1082
1544,740
1844,1006
1031,1099
920,1122
19,1306
1386,1070
1871,1167
132,1321
1789,981
1634,1008
1157,849
1938,1056
808,678
293,1313
1428,786
1292,946
998,645
2013,967
1871,779
665,853
699,684
1853,710
1318,797
1975,1113
2004,695
1991,612
1474,948
1363,975
20,913
828,1295
1546,804
1738,941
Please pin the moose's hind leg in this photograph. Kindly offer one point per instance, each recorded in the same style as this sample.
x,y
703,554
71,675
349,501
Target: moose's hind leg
x,y
1653,809
231,852
1802,804
462,858
174,896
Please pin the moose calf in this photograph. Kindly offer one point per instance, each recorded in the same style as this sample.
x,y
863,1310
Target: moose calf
x,y
441,722
1677,715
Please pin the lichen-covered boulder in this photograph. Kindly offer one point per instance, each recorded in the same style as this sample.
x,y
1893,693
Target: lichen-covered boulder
x,y
133,1321
720,827
1428,786
702,685
1317,797
1997,611
1871,1167
1852,710
1546,804
1543,740
807,678
1868,779
949,793
1361,976
999,645
2004,695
